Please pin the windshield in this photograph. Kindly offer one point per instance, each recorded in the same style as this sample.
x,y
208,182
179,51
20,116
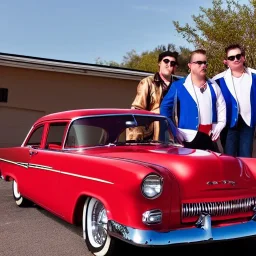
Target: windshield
x,y
119,130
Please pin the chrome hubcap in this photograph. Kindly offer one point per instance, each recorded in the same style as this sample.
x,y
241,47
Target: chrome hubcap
x,y
99,223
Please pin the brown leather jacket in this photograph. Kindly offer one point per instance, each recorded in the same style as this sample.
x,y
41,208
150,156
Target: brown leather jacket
x,y
150,92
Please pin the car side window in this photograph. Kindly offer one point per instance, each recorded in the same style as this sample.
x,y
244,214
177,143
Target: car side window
x,y
36,137
55,135
85,136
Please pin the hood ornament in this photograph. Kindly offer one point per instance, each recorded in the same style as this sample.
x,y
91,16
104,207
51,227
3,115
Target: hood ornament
x,y
221,182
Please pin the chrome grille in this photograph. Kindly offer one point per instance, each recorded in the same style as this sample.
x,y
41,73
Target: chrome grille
x,y
218,208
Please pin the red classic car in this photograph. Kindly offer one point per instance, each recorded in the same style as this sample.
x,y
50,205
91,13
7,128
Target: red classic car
x,y
81,166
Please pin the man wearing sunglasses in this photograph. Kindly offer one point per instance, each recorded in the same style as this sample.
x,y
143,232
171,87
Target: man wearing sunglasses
x,y
238,85
197,105
151,90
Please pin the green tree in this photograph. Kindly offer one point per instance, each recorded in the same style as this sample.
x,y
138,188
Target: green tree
x,y
147,60
99,61
215,28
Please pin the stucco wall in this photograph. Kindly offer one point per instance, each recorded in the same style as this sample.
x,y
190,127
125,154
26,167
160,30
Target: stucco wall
x,y
52,91
33,93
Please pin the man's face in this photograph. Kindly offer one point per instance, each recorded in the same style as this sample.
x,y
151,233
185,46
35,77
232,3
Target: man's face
x,y
198,65
235,59
167,66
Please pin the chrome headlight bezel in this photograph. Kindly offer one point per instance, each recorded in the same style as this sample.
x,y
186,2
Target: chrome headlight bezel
x,y
158,179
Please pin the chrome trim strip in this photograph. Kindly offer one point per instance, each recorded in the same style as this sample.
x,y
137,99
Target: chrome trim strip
x,y
49,168
25,165
43,167
86,177
200,233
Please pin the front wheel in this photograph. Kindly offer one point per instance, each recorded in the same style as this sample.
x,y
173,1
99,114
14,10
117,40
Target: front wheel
x,y
19,199
95,229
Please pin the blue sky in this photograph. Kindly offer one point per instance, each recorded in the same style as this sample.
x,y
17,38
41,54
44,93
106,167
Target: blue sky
x,y
84,30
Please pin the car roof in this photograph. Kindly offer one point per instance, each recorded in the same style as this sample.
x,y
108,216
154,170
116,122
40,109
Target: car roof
x,y
71,114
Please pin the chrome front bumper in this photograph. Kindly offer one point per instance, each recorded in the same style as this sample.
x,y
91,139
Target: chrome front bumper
x,y
202,232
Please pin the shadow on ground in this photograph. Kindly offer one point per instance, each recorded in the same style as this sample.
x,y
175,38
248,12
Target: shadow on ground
x,y
246,245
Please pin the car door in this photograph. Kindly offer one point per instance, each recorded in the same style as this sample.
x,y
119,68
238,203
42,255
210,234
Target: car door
x,y
32,145
45,165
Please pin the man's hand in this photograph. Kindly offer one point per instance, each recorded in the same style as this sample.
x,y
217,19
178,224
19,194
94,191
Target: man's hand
x,y
216,133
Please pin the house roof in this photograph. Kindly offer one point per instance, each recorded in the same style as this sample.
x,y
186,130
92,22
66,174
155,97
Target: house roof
x,y
22,61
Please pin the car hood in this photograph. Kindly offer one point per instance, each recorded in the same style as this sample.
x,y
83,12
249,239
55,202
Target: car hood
x,y
198,172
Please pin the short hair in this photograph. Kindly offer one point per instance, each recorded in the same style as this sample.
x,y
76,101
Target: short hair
x,y
200,51
234,46
168,53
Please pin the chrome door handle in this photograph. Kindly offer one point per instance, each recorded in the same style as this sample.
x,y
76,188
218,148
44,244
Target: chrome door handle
x,y
32,152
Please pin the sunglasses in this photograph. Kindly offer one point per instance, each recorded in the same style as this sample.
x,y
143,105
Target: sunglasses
x,y
172,62
232,58
199,62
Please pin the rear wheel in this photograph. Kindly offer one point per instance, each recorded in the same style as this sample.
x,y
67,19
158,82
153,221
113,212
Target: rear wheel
x,y
95,229
19,199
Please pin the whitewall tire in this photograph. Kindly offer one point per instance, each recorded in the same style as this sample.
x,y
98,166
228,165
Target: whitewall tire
x,y
95,229
19,199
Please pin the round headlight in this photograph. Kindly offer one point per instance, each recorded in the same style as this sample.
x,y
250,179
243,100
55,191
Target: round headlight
x,y
152,186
